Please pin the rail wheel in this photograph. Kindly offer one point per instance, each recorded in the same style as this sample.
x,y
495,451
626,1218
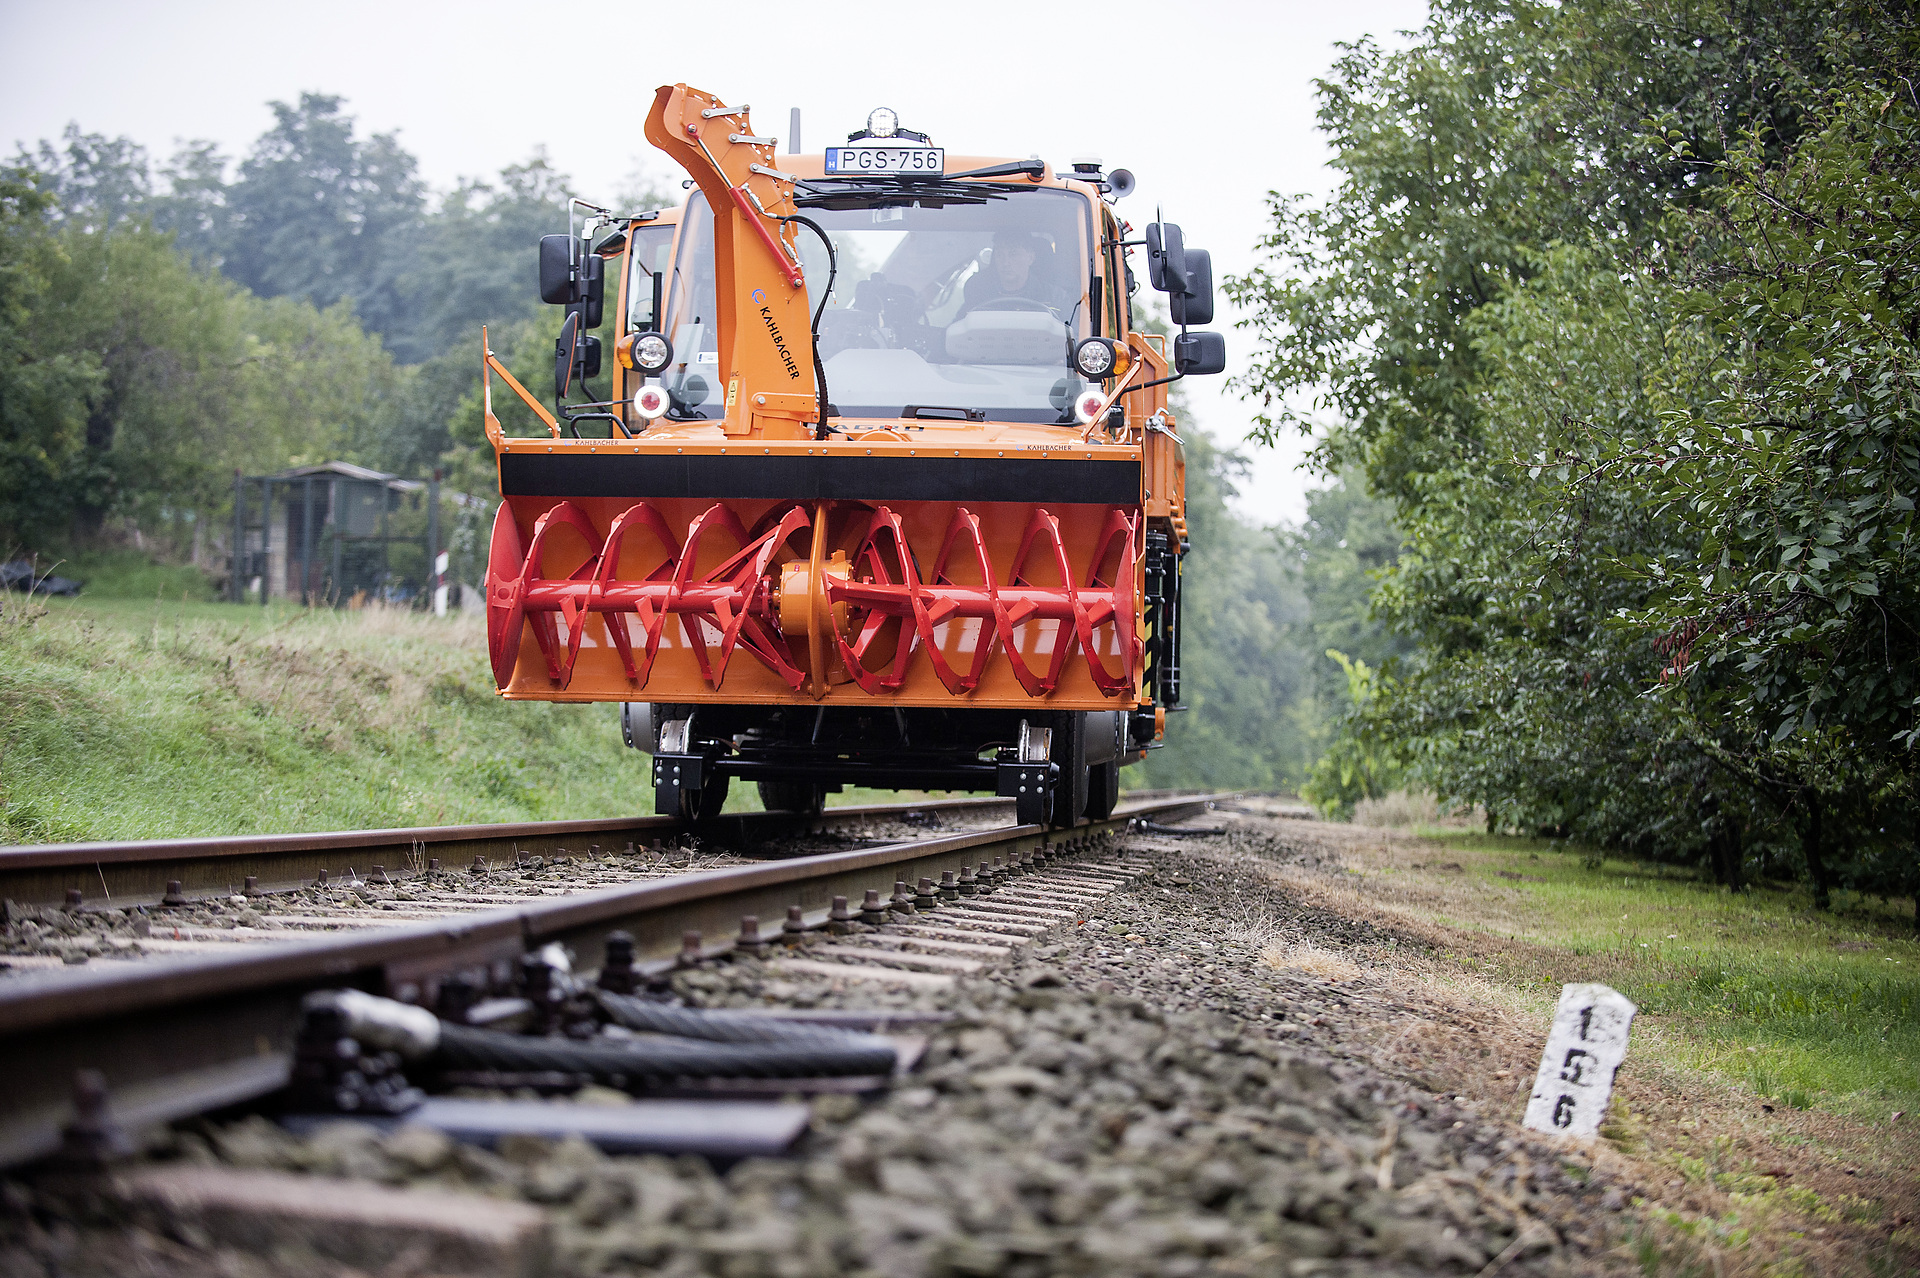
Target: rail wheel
x,y
793,796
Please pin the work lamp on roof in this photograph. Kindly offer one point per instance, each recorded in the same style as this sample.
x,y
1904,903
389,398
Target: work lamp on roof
x,y
884,122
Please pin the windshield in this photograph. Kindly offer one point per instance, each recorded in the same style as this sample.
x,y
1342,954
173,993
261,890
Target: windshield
x,y
968,306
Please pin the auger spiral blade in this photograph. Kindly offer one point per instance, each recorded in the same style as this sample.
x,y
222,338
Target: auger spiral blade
x,y
893,614
568,572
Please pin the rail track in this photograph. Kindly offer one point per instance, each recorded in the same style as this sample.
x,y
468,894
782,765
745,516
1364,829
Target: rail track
x,y
142,872
203,1031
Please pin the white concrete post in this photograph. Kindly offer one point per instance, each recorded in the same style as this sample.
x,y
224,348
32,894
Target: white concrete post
x,y
1585,1046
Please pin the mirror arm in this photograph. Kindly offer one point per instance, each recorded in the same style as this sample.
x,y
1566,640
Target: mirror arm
x,y
1158,381
1113,399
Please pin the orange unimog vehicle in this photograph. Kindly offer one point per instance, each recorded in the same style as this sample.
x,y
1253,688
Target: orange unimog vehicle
x,y
887,492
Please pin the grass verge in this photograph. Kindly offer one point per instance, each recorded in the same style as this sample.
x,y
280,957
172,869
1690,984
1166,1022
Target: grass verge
x,y
126,718
167,715
1774,1076
1805,1009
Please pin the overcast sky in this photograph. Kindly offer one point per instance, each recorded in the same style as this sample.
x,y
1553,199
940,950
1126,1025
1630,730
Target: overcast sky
x,y
1210,103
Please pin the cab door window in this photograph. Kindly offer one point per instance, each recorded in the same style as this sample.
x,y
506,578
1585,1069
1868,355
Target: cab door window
x,y
649,252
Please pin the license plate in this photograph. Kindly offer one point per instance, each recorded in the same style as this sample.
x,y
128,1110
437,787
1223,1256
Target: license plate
x,y
886,159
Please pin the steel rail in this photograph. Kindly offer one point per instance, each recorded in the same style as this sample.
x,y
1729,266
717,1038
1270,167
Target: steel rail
x,y
187,1035
137,872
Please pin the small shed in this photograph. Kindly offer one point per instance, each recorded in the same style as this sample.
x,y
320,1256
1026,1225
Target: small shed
x,y
334,533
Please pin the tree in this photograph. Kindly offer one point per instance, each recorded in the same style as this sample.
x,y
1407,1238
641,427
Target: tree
x,y
319,214
44,386
1361,763
1523,305
1346,541
1242,670
194,204
96,182
1798,475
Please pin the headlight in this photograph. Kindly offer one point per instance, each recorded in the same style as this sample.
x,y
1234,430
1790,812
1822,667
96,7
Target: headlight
x,y
1098,358
646,353
883,123
650,402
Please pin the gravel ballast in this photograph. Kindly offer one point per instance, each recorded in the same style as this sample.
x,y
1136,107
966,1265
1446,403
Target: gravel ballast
x,y
1142,1090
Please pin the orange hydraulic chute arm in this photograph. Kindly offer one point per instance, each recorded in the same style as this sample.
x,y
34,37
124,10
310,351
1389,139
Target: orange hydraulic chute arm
x,y
764,331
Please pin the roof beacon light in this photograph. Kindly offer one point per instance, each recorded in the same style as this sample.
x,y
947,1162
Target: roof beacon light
x,y
884,122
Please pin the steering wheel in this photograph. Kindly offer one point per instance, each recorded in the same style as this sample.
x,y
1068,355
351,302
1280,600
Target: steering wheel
x,y
1018,304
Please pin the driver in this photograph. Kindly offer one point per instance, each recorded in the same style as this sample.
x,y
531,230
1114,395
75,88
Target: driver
x,y
1011,273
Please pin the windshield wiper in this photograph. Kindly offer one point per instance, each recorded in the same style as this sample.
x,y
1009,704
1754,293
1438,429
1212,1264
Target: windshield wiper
x,y
1032,168
941,412
867,190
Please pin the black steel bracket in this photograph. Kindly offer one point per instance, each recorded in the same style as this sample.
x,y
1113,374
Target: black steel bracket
x,y
674,773
1028,785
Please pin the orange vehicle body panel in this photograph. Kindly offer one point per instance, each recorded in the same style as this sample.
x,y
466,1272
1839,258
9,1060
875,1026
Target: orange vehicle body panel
x,y
772,598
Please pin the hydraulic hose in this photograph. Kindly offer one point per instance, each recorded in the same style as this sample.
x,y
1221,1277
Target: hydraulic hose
x,y
650,1017
833,272
722,1049
620,1064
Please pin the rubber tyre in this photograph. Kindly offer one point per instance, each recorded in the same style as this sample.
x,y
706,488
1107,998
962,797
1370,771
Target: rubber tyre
x,y
705,803
1103,789
793,796
1069,797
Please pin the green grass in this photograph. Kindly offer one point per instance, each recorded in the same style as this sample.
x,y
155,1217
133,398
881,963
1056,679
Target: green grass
x,y
127,718
1810,1009
128,574
134,717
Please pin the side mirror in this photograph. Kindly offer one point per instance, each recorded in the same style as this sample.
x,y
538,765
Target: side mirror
x,y
556,269
1194,305
576,356
1166,257
1199,353
593,288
